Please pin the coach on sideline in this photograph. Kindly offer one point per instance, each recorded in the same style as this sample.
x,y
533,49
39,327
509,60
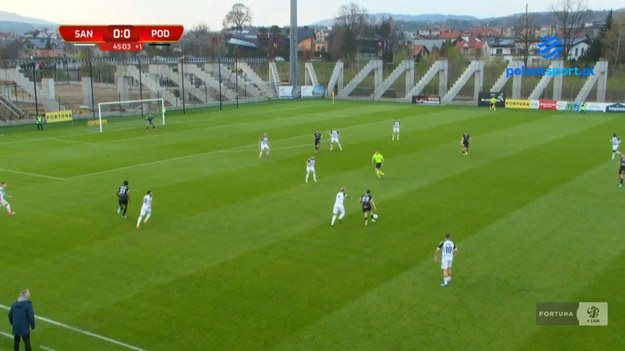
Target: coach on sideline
x,y
22,318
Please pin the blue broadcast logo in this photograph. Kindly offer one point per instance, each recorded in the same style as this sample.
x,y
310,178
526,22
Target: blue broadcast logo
x,y
550,47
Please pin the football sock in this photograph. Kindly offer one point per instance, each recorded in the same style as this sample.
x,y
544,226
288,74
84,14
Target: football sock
x,y
9,206
125,209
341,216
146,218
621,183
138,221
333,219
119,209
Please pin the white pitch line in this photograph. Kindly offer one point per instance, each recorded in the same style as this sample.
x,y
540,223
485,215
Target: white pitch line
x,y
46,348
81,331
6,334
236,149
31,174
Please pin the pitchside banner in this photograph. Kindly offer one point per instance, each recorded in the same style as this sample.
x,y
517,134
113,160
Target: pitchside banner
x,y
426,99
572,313
310,91
58,116
618,107
547,104
518,103
484,99
285,92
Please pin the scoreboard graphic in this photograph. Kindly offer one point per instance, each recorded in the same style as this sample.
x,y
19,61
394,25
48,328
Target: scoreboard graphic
x,y
121,37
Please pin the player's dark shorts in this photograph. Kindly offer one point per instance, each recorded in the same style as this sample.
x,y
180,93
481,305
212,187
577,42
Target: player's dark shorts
x,y
317,142
465,145
366,208
123,202
621,170
378,165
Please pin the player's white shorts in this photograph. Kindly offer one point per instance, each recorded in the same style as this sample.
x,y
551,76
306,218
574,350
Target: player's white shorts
x,y
395,130
338,208
264,147
145,211
4,202
615,148
446,263
334,140
310,169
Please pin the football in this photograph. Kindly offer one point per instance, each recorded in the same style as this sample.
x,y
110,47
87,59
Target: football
x,y
375,217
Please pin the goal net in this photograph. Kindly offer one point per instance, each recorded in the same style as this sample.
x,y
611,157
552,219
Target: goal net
x,y
139,109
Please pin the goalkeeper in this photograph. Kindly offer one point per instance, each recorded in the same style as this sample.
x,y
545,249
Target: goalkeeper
x,y
150,120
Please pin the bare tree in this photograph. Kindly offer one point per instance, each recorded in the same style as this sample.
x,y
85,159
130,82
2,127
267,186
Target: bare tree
x,y
350,25
197,41
570,15
614,39
239,16
526,34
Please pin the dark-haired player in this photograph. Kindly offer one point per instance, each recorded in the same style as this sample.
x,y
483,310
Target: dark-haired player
x,y
317,140
150,120
466,138
367,203
123,195
621,170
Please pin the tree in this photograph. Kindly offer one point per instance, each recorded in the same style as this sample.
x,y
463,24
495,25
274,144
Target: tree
x,y
239,16
351,24
526,34
387,30
570,15
598,45
197,41
614,41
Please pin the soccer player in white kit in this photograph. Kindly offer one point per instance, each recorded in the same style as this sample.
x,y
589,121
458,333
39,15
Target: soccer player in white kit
x,y
146,208
338,206
263,143
395,130
334,138
310,168
449,249
3,202
616,141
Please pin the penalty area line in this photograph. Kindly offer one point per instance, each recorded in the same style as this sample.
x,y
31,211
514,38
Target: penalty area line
x,y
31,174
81,331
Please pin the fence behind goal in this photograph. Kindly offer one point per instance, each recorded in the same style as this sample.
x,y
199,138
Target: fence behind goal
x,y
138,109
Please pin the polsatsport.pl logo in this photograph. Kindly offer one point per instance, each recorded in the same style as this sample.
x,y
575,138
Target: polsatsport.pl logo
x,y
550,47
547,71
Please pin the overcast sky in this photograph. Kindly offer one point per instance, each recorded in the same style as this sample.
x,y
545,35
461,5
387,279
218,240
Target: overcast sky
x,y
265,12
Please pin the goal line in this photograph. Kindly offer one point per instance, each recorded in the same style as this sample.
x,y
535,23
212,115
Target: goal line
x,y
129,102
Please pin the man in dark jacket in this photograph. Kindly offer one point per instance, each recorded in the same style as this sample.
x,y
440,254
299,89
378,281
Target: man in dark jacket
x,y
22,318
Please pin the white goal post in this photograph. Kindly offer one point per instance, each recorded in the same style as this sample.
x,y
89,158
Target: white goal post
x,y
131,102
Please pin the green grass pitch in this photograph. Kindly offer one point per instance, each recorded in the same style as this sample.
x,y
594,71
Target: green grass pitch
x,y
239,253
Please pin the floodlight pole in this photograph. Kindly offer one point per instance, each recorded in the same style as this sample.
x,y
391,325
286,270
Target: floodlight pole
x,y
140,84
236,78
91,81
35,86
219,69
182,80
293,47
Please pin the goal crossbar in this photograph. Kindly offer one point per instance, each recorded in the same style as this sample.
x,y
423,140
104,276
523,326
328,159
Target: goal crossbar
x,y
162,103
